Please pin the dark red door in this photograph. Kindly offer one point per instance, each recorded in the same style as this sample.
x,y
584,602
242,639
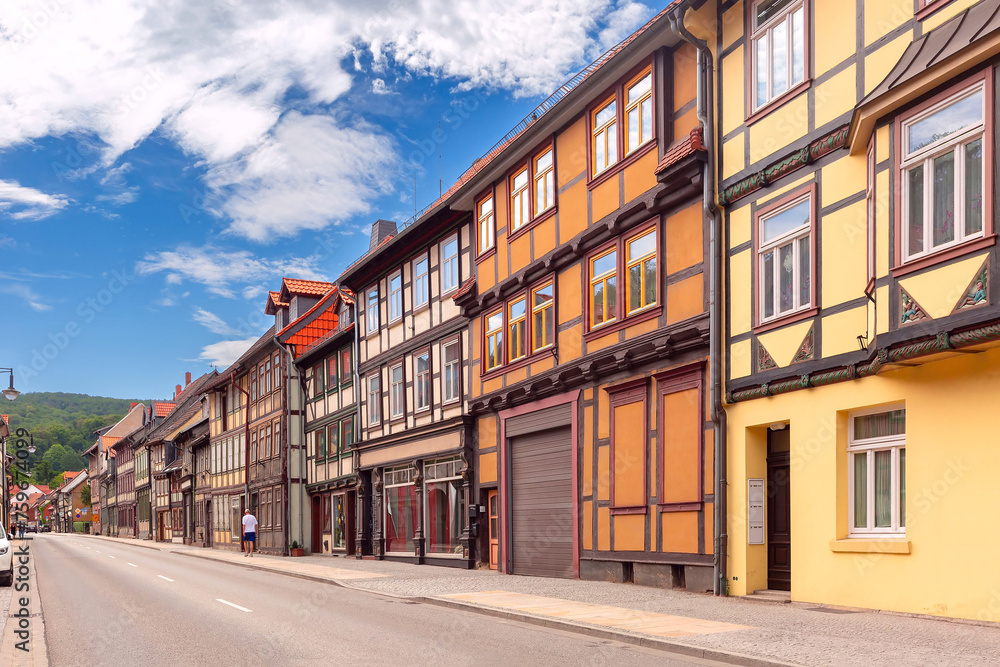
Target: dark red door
x,y
779,525
317,525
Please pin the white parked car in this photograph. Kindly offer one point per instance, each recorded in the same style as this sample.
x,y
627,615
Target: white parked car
x,y
6,559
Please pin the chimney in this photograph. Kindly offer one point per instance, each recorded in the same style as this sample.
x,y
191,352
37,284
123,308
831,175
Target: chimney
x,y
187,379
177,391
381,230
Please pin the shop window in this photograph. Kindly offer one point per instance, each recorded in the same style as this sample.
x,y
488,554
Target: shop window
x,y
339,521
877,473
943,173
400,520
445,507
785,256
779,48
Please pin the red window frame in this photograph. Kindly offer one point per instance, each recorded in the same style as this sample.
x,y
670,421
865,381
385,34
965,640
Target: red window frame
x,y
506,364
617,93
669,382
480,200
627,393
528,165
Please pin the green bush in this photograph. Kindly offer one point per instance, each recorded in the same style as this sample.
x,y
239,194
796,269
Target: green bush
x,y
81,527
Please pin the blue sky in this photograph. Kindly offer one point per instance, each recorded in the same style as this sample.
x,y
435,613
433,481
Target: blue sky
x,y
163,164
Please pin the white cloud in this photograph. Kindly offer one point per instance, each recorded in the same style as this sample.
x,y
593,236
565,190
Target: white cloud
x,y
379,87
217,77
23,203
221,272
29,296
224,353
212,322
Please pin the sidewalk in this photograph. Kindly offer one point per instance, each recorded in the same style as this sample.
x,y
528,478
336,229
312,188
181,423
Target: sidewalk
x,y
726,629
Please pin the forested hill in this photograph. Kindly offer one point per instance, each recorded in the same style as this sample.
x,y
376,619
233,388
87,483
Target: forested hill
x,y
63,426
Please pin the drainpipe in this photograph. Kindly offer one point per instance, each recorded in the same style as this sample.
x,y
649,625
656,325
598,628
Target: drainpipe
x,y
246,442
302,450
359,502
717,413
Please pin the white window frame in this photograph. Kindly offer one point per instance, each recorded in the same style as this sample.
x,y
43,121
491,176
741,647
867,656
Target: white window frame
x,y
448,266
444,470
395,297
374,399
868,447
925,157
371,311
486,220
421,281
396,389
765,31
422,384
792,236
451,391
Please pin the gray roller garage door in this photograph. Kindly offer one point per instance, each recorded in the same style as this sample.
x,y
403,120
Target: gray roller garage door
x,y
542,499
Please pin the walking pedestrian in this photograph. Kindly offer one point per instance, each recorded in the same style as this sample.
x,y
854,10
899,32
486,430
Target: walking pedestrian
x,y
20,529
249,532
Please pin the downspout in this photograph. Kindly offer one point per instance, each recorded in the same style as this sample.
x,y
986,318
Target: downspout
x,y
302,451
717,413
359,509
246,443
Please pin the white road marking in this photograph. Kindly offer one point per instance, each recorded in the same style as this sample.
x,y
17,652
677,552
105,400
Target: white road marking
x,y
110,556
133,565
98,552
162,577
235,606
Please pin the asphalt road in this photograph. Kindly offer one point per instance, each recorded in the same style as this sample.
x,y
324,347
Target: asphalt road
x,y
106,603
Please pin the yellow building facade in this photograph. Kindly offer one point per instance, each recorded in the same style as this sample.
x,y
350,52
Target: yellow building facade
x,y
856,173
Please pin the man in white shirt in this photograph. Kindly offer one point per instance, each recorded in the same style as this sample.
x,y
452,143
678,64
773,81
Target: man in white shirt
x,y
249,532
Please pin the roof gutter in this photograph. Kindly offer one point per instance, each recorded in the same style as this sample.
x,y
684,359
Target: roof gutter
x,y
717,413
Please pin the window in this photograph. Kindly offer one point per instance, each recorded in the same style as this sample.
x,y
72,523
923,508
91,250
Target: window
x,y
254,453
331,373
372,312
785,257
321,444
374,400
640,267
603,294
605,136
517,319
420,283
638,112
942,173
449,265
339,522
317,380
253,386
494,340
346,367
519,200
396,391
395,297
345,317
334,440
267,376
267,442
545,182
877,473
347,434
452,371
543,316
487,229
276,372
423,380
779,48
445,507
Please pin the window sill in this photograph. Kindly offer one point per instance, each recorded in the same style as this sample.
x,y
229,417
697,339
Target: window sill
x,y
528,226
638,318
639,509
486,255
785,320
944,255
520,363
614,169
873,545
681,507
777,102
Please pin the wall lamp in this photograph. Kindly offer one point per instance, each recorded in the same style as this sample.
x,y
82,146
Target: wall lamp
x,y
10,392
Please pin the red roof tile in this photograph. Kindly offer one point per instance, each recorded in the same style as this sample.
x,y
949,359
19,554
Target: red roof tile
x,y
465,288
163,408
276,299
681,149
6,418
307,287
324,322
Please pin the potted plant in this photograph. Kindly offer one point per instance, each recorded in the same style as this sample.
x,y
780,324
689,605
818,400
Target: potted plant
x,y
296,549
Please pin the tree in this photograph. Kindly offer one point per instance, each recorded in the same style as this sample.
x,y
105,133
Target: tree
x,y
85,495
42,472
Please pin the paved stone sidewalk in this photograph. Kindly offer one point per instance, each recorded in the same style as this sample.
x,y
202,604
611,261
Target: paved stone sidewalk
x,y
799,633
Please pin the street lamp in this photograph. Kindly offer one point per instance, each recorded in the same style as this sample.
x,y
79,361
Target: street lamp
x,y
10,392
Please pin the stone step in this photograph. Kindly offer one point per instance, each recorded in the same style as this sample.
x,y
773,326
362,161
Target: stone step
x,y
771,595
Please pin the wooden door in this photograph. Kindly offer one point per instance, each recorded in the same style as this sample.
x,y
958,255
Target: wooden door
x,y
494,515
209,526
317,525
779,525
